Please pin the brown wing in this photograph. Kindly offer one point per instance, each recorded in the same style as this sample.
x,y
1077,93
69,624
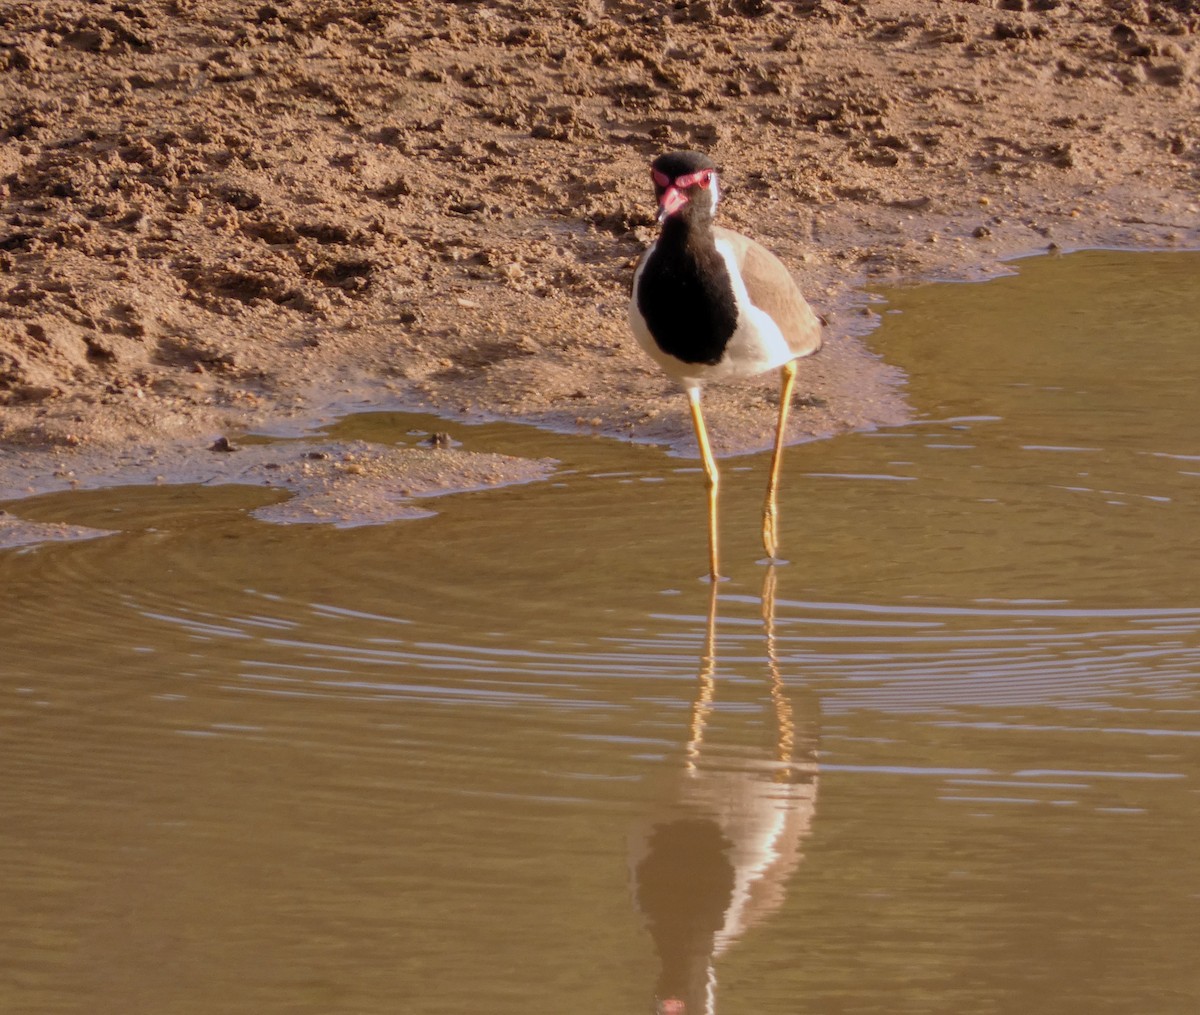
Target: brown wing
x,y
772,289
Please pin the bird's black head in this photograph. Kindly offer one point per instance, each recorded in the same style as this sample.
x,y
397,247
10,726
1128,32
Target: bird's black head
x,y
680,179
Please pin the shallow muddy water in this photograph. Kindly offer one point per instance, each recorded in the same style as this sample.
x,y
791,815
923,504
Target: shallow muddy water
x,y
512,758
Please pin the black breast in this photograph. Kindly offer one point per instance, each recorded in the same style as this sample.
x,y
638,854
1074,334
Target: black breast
x,y
686,297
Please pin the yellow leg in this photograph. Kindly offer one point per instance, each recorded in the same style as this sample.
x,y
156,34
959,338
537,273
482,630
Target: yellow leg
x,y
787,377
712,479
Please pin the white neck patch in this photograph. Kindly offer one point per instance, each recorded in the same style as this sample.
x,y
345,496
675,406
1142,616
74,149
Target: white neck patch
x,y
714,194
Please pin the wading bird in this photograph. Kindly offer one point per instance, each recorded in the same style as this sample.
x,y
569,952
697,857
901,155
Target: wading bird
x,y
710,304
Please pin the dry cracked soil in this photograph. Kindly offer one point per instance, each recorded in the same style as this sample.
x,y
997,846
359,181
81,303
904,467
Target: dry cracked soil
x,y
221,216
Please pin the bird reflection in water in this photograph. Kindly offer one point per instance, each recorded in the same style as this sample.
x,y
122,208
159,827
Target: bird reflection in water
x,y
715,858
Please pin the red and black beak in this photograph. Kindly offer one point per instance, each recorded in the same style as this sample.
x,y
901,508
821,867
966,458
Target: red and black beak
x,y
672,193
669,202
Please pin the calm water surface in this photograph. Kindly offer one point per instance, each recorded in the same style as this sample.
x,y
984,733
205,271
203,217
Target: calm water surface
x,y
513,759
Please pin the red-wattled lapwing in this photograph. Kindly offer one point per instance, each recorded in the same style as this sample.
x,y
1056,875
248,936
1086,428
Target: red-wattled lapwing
x,y
710,304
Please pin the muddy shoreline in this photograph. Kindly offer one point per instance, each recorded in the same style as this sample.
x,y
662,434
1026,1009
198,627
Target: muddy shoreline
x,y
221,220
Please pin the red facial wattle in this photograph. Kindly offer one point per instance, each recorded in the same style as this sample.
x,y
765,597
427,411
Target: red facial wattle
x,y
674,195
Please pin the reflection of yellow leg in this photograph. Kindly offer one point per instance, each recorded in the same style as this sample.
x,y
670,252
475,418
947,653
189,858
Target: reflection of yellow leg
x,y
786,727
787,377
705,684
712,479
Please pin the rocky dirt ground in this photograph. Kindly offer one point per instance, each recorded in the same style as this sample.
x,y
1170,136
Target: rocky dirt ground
x,y
221,216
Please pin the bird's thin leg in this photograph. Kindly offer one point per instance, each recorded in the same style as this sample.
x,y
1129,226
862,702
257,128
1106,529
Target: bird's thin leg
x,y
787,377
712,479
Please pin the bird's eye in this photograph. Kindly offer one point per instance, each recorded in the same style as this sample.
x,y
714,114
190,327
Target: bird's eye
x,y
706,178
